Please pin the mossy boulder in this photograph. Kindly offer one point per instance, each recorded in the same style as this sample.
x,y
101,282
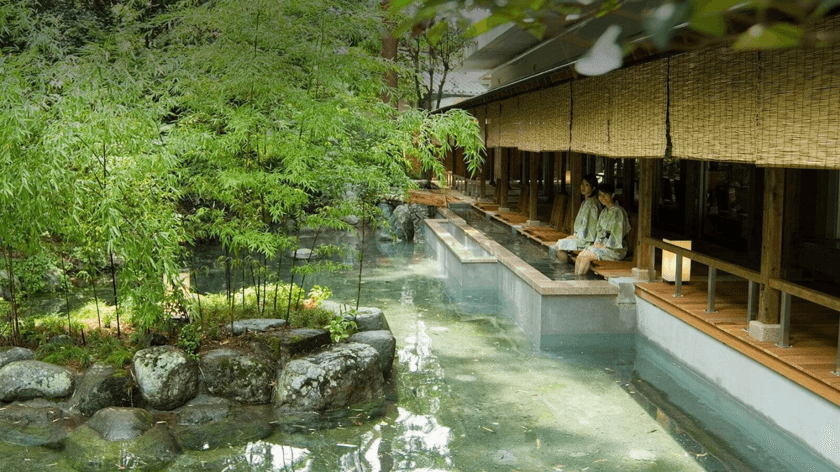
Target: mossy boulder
x,y
25,380
86,450
166,376
212,422
103,386
12,354
340,377
25,425
236,375
385,344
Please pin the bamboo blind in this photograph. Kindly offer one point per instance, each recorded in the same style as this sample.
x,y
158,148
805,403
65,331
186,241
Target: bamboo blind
x,y
714,104
480,114
799,118
530,122
590,115
639,102
555,111
494,122
510,122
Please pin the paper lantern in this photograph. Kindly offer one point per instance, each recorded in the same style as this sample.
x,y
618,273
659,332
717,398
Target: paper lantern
x,y
669,262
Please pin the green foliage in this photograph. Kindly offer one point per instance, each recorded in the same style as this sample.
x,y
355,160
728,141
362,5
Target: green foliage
x,y
189,339
318,294
57,324
32,272
65,354
341,328
99,348
135,128
312,318
217,312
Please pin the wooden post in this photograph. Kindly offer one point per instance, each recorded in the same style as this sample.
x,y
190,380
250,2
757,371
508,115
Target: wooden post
x,y
628,184
609,170
504,155
644,253
524,163
482,186
769,300
577,175
791,220
534,159
550,175
564,157
691,172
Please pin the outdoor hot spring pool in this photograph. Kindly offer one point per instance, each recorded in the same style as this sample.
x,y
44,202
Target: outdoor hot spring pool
x,y
470,394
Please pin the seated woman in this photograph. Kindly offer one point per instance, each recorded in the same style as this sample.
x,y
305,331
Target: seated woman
x,y
586,221
613,226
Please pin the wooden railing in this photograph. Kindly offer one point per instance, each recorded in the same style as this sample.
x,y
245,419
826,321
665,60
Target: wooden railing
x,y
790,289
714,264
787,289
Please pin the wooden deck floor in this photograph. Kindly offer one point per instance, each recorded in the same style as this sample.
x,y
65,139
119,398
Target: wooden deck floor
x,y
813,337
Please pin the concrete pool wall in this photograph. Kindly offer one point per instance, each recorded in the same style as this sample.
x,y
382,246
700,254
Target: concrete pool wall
x,y
812,420
551,313
596,313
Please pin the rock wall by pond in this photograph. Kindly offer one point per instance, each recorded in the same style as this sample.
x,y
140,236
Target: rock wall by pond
x,y
142,419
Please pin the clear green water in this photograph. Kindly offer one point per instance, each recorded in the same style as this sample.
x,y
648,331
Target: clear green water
x,y
470,394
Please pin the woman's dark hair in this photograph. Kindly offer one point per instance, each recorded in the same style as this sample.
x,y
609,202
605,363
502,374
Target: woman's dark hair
x,y
607,188
593,182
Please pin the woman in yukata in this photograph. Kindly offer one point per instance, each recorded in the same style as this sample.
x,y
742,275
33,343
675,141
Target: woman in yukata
x,y
613,226
586,221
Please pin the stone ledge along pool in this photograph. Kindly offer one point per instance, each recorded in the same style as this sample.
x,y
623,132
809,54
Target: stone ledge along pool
x,y
472,393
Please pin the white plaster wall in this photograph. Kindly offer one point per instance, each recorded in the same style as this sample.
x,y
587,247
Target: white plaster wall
x,y
803,414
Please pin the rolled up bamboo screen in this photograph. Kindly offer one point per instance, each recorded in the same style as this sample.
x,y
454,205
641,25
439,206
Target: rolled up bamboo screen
x,y
639,102
509,122
493,126
799,118
530,122
554,107
714,103
480,114
591,114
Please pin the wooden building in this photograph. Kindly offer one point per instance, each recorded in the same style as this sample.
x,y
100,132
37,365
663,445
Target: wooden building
x,y
737,152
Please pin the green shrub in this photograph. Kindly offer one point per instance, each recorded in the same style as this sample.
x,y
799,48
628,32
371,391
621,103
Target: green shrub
x,y
216,310
314,318
189,339
57,324
65,354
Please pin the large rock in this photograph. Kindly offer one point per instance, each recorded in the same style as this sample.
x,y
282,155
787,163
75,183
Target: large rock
x,y
103,386
34,425
385,209
121,424
367,318
293,342
385,344
240,376
12,354
402,224
370,319
340,377
24,380
212,422
86,450
257,325
166,377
